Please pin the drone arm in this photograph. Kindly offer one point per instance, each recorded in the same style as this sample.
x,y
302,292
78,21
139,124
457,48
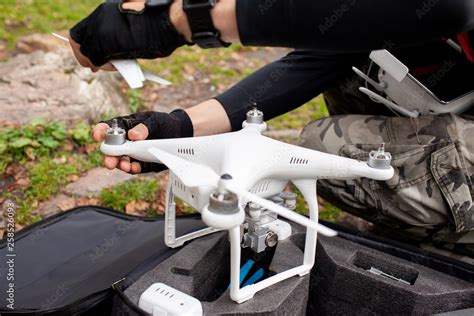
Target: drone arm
x,y
347,168
194,147
303,163
137,150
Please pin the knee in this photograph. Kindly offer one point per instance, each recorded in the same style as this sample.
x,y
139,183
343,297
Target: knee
x,y
330,134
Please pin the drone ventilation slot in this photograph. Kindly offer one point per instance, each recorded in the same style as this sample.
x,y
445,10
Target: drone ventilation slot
x,y
298,161
262,186
186,151
178,184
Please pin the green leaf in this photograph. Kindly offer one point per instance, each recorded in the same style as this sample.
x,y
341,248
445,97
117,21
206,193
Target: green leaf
x,y
3,147
82,133
38,121
35,144
49,142
21,142
59,132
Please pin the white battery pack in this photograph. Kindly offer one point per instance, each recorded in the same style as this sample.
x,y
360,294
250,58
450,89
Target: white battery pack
x,y
163,300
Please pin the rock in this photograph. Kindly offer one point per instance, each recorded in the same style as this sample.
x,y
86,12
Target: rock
x,y
165,99
96,180
55,86
3,51
137,208
34,42
4,206
60,202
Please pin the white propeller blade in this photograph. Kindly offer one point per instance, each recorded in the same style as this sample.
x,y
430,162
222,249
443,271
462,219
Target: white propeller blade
x,y
280,210
190,173
156,79
130,71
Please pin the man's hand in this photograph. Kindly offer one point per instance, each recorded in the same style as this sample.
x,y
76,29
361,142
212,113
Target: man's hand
x,y
122,32
145,125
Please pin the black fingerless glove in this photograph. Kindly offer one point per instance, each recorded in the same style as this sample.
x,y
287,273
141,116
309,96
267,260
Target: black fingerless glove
x,y
112,33
160,125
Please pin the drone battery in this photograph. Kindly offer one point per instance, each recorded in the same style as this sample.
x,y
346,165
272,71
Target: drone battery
x,y
163,300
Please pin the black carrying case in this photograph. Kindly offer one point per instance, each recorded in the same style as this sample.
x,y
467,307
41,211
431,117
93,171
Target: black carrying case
x,y
81,262
66,264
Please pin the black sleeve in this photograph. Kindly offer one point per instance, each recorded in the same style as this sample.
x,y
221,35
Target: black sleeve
x,y
350,25
285,84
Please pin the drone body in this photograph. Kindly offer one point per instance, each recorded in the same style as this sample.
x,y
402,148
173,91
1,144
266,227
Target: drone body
x,y
222,176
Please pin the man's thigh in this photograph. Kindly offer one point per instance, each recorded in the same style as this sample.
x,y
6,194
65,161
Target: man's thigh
x,y
433,158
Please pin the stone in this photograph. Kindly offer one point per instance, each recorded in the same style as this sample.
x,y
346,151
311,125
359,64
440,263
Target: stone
x,y
3,51
60,202
96,180
34,42
53,85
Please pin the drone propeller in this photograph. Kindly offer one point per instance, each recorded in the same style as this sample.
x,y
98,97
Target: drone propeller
x,y
193,174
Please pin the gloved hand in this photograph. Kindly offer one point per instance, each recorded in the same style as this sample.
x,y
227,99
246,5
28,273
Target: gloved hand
x,y
145,125
111,32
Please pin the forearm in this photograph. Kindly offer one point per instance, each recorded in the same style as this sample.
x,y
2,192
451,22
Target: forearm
x,y
209,118
336,25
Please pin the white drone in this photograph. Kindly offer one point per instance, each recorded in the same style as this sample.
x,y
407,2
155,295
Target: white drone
x,y
130,70
234,180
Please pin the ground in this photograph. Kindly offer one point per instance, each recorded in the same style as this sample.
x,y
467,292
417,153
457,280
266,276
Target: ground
x,y
48,167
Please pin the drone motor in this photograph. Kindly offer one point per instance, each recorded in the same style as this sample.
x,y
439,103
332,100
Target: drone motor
x,y
223,210
115,135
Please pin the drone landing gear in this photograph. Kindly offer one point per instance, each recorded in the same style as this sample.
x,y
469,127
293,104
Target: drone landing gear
x,y
170,224
254,238
240,295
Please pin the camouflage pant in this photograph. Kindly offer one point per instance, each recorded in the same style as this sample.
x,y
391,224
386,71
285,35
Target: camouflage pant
x,y
430,198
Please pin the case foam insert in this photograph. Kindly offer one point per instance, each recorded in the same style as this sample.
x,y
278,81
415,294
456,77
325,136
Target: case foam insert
x,y
203,265
339,283
342,284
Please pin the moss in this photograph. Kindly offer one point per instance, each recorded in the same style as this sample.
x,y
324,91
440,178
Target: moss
x,y
117,197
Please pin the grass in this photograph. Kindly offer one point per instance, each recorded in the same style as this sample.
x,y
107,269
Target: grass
x,y
50,154
328,212
40,138
220,66
20,17
37,139
135,100
117,197
298,118
47,177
